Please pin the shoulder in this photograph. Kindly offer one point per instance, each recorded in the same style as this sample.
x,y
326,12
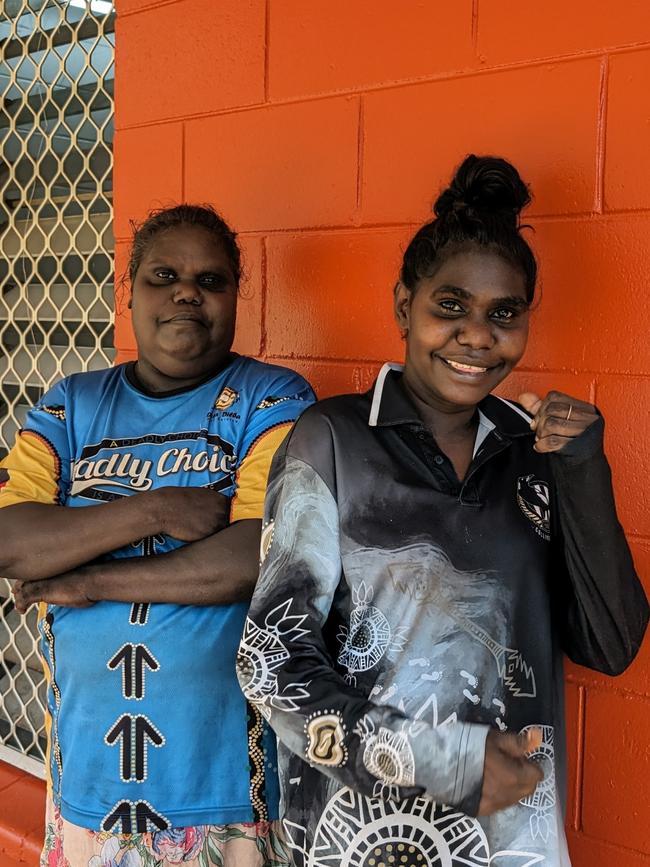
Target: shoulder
x,y
323,431
92,380
74,389
268,394
260,376
330,421
343,408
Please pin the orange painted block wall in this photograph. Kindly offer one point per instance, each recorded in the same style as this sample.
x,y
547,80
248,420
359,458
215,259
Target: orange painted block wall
x,y
323,130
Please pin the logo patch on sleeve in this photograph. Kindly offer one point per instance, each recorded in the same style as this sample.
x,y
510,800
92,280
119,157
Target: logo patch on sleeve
x,y
534,501
226,399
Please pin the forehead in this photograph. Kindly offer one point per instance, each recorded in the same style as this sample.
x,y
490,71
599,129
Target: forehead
x,y
483,274
186,244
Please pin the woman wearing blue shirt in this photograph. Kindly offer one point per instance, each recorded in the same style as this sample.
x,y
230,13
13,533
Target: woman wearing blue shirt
x,y
130,507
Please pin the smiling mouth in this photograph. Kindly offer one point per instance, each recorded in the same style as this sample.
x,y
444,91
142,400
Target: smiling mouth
x,y
466,369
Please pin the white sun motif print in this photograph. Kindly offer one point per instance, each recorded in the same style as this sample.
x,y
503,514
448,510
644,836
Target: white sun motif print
x,y
262,651
388,756
542,801
369,636
355,831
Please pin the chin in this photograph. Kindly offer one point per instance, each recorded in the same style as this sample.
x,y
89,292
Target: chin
x,y
185,348
179,366
192,353
469,397
462,394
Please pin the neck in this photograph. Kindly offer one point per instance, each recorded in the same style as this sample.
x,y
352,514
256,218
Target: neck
x,y
445,421
156,381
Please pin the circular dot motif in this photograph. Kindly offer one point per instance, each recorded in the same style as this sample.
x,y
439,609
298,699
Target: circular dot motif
x,y
367,640
396,854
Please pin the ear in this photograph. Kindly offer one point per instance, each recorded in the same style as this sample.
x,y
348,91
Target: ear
x,y
402,307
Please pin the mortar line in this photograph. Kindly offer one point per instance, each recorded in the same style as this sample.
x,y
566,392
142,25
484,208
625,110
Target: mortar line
x,y
360,147
601,135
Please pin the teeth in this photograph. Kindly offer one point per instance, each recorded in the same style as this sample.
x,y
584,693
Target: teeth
x,y
467,368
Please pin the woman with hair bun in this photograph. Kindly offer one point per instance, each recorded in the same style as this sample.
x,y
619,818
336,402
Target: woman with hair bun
x,y
429,552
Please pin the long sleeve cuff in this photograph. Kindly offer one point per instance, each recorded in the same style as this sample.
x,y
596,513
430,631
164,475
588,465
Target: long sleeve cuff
x,y
449,764
584,447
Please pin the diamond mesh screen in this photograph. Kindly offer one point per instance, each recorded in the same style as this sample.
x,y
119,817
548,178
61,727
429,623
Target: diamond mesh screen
x,y
56,254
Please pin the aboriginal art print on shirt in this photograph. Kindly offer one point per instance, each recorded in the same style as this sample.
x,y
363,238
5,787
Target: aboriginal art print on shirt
x,y
262,651
355,831
369,635
386,829
424,575
402,613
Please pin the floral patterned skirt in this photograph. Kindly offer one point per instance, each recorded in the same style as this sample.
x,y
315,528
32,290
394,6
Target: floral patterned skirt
x,y
243,845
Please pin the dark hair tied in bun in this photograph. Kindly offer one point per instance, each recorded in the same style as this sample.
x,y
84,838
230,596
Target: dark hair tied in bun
x,y
487,185
481,207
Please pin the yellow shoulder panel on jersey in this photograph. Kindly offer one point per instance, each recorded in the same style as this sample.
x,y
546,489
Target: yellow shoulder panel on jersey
x,y
31,471
253,474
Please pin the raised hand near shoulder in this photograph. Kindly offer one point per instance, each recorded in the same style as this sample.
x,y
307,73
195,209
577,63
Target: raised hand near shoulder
x,y
557,419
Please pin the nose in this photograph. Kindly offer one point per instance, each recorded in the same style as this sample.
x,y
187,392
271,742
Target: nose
x,y
187,292
475,333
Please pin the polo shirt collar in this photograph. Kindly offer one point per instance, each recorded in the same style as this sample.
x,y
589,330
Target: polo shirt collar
x,y
390,406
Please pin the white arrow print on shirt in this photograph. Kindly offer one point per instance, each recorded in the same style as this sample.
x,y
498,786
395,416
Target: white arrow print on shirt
x,y
139,613
133,658
134,734
134,817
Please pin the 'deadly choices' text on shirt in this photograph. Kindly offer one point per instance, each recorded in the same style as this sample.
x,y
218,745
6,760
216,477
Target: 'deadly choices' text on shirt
x,y
148,727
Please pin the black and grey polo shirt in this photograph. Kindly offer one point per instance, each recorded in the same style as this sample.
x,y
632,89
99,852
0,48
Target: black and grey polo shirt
x,y
400,613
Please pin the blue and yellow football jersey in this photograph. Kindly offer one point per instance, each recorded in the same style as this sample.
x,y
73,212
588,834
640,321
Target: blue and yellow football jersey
x,y
147,726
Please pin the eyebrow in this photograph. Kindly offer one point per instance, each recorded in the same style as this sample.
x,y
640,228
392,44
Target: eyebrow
x,y
464,295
